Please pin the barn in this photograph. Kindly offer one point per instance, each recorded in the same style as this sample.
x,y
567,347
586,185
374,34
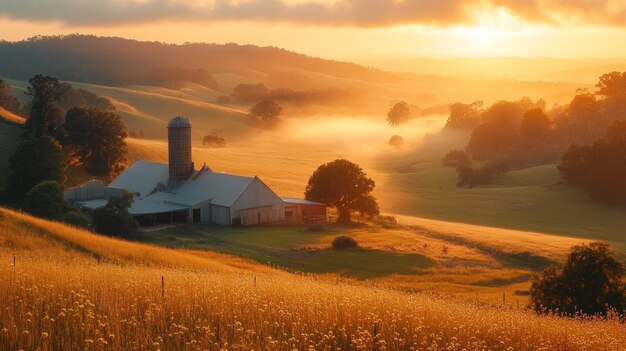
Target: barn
x,y
176,192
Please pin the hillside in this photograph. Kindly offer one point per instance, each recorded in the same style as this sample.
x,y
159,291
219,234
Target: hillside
x,y
81,290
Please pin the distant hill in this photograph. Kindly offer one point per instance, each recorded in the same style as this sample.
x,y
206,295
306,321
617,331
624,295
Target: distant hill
x,y
116,61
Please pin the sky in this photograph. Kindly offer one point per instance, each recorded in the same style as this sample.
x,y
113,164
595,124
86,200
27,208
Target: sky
x,y
343,29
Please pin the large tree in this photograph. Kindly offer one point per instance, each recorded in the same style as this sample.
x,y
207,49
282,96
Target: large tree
x,y
398,114
600,168
114,218
589,282
8,101
96,137
345,186
464,116
46,200
267,110
45,117
34,161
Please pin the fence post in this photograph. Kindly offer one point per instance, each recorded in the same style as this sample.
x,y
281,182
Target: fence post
x,y
162,286
504,298
14,260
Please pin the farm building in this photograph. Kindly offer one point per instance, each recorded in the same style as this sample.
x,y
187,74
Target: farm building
x,y
177,192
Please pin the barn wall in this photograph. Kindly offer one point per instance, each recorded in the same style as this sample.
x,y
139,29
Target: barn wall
x,y
261,215
260,198
220,215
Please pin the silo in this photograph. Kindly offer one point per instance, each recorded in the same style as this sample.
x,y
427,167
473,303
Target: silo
x,y
179,149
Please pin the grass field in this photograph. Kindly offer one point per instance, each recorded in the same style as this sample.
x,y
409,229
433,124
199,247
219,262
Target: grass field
x,y
70,289
398,256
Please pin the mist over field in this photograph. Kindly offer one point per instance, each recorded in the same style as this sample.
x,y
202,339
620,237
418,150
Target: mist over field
x,y
312,175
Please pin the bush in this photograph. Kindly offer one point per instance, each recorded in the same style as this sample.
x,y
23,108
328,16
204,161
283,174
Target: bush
x,y
590,282
456,158
396,140
46,200
213,140
76,219
114,218
344,243
469,177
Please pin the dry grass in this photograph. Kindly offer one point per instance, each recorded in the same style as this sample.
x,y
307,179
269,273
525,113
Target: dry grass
x,y
505,240
11,117
59,298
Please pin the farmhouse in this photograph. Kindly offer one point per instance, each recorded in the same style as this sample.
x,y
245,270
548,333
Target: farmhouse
x,y
176,192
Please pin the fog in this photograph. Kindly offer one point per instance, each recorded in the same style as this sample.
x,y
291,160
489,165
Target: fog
x,y
357,135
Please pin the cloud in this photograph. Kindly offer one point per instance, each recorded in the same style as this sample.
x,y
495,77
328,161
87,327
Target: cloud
x,y
358,13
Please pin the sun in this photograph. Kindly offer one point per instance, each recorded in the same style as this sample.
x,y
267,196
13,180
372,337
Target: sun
x,y
482,35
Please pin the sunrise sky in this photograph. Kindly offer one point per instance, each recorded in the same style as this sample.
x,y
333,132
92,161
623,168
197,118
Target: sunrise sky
x,y
343,29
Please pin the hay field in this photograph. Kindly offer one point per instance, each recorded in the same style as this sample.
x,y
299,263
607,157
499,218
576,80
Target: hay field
x,y
59,297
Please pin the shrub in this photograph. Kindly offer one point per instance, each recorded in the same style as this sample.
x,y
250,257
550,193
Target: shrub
x,y
46,200
114,218
590,282
456,158
213,140
344,243
76,219
396,140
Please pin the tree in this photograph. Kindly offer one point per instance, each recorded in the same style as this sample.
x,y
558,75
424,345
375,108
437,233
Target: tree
x,y
493,139
8,101
456,158
34,161
213,140
612,85
46,200
398,114
96,137
464,116
114,219
345,186
590,282
396,140
75,219
600,168
535,127
267,110
45,117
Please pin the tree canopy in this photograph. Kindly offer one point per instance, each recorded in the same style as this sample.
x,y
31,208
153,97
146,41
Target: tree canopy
x,y
114,219
345,186
266,110
398,114
46,200
463,116
45,116
96,137
599,168
590,282
34,161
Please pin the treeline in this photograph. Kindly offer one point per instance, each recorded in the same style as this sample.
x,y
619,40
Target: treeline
x,y
89,135
117,61
525,133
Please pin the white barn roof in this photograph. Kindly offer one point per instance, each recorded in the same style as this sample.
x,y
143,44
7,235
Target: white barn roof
x,y
223,189
295,201
142,177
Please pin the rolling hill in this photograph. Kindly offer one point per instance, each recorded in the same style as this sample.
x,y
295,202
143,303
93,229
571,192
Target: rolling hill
x,y
63,288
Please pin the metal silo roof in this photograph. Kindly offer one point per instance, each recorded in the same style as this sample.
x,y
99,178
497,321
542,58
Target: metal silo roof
x,y
179,122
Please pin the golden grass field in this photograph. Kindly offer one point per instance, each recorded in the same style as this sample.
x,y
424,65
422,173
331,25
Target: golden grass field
x,y
72,290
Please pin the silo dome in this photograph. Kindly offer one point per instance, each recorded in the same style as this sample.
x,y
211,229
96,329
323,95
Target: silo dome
x,y
179,122
179,148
